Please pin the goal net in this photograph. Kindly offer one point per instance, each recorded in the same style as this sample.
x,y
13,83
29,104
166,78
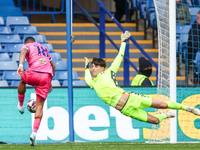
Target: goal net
x,y
187,125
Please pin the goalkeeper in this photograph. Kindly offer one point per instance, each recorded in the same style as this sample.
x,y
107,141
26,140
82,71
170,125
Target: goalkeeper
x,y
129,103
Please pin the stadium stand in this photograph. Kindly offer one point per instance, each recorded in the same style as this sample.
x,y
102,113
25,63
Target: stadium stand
x,y
142,5
193,13
2,23
197,65
21,30
75,83
181,36
149,15
61,65
17,20
5,30
8,65
55,83
15,83
7,2
10,76
55,56
38,38
25,65
62,75
4,39
4,57
15,57
7,10
49,46
3,83
1,50
13,48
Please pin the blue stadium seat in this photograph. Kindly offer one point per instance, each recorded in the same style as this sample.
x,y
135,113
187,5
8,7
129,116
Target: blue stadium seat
x,y
6,10
193,13
149,17
49,46
75,83
182,29
142,8
9,39
17,20
63,75
14,83
197,64
10,76
7,2
15,57
5,30
25,65
40,38
3,83
60,65
55,56
4,57
183,46
182,32
21,30
13,48
55,83
134,3
1,49
2,23
8,65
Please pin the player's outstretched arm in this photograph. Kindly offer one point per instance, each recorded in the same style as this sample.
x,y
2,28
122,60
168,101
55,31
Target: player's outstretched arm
x,y
117,62
88,77
21,61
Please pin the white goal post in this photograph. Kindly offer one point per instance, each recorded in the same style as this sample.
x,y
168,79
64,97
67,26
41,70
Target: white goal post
x,y
166,87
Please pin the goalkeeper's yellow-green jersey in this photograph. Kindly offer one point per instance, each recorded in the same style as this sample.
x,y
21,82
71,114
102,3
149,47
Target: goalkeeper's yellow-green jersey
x,y
105,83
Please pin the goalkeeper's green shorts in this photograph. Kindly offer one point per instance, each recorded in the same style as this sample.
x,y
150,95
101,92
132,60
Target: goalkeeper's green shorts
x,y
134,105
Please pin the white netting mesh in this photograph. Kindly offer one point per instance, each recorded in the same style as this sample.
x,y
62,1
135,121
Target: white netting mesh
x,y
188,123
161,132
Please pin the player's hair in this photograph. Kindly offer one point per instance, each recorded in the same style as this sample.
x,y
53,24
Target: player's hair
x,y
99,61
29,39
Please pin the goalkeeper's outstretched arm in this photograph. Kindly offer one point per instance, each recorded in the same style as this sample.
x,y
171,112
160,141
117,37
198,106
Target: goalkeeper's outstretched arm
x,y
117,62
88,76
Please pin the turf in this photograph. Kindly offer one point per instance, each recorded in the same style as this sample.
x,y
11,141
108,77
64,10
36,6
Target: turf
x,y
103,146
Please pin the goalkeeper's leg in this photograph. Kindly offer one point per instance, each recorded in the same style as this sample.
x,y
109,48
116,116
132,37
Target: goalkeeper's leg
x,y
174,105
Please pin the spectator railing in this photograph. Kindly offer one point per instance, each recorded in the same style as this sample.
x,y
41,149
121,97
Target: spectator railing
x,y
55,7
102,33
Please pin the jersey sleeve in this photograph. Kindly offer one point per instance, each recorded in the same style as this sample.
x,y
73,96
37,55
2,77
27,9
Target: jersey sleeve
x,y
25,47
88,78
117,62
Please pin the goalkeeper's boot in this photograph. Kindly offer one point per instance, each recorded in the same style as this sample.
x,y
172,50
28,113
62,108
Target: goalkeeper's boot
x,y
21,108
33,139
168,114
125,36
193,110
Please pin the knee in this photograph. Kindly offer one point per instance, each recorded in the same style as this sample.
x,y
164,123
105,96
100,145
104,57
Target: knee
x,y
153,120
156,121
163,105
21,88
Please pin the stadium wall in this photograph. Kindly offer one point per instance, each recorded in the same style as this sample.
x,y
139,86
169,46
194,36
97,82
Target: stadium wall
x,y
94,121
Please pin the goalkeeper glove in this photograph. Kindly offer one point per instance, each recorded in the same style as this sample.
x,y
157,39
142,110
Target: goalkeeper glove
x,y
125,36
87,63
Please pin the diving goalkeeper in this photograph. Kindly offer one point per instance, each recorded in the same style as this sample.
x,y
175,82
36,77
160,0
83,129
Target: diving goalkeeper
x,y
129,103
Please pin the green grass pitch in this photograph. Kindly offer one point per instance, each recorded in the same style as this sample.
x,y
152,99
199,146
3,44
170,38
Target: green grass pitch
x,y
103,146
